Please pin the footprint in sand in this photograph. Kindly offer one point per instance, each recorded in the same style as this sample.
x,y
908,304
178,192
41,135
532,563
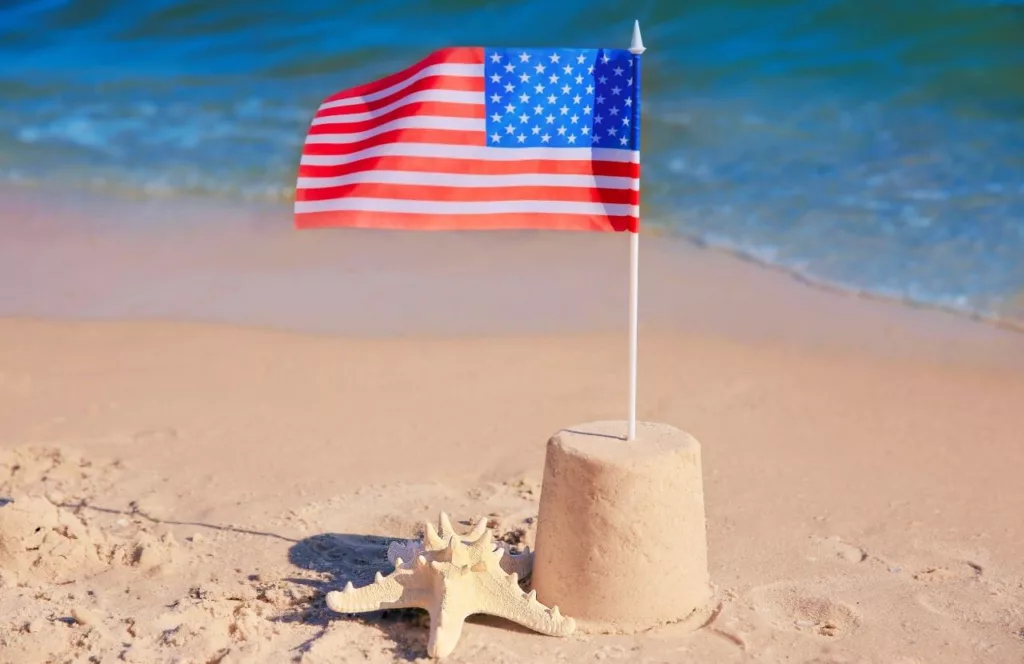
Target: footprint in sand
x,y
960,570
789,608
836,547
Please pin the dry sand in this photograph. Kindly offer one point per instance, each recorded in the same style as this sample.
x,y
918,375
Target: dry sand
x,y
188,492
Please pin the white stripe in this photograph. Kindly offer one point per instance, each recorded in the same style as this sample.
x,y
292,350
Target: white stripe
x,y
453,96
471,181
413,122
433,70
481,153
460,208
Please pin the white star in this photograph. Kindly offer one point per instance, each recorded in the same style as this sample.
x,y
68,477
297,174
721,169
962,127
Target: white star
x,y
567,69
538,88
625,122
590,89
539,68
553,78
572,138
496,137
596,139
509,108
613,131
618,71
536,129
495,98
575,118
555,58
523,118
550,119
584,130
561,130
580,58
524,97
496,117
510,67
552,99
564,110
629,101
598,119
545,138
614,111
602,80
576,99
605,59
496,78
495,57
586,109
509,87
616,90
590,69
566,89
525,78
524,57
509,129
579,79
629,81
600,99
521,138
538,109
623,140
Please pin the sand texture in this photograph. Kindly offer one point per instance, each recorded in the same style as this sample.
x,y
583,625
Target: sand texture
x,y
191,493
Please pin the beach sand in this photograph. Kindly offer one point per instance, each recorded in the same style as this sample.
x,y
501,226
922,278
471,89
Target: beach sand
x,y
203,431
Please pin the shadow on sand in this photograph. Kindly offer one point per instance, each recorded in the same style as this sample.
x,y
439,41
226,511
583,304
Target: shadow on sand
x,y
348,557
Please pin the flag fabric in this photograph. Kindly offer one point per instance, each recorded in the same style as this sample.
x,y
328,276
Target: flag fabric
x,y
480,139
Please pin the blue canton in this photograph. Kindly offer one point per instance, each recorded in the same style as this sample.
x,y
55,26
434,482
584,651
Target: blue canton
x,y
562,98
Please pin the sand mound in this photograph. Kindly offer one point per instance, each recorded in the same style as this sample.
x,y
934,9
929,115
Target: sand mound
x,y
51,543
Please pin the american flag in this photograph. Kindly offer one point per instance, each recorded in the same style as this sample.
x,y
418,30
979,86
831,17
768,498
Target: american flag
x,y
480,138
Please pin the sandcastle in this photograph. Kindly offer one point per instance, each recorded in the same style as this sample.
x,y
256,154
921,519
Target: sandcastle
x,y
453,579
621,542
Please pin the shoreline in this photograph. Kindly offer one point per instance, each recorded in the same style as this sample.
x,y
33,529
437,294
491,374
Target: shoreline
x,y
246,266
93,212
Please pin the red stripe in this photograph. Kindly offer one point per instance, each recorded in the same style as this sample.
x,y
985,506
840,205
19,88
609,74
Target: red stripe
x,y
456,83
443,136
448,222
432,108
418,192
457,55
475,167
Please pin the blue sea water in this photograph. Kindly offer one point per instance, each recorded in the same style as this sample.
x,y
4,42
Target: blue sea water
x,y
873,144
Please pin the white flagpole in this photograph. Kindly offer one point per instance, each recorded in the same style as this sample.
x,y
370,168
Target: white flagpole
x,y
636,47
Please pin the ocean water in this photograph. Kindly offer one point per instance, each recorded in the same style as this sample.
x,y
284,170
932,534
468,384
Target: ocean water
x,y
876,145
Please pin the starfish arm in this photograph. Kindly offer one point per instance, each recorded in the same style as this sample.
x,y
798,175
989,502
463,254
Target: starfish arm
x,y
478,530
502,597
445,630
384,593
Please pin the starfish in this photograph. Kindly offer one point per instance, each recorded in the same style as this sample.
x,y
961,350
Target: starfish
x,y
512,563
453,580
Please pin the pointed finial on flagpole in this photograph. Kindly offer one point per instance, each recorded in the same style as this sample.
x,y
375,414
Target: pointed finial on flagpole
x,y
636,47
